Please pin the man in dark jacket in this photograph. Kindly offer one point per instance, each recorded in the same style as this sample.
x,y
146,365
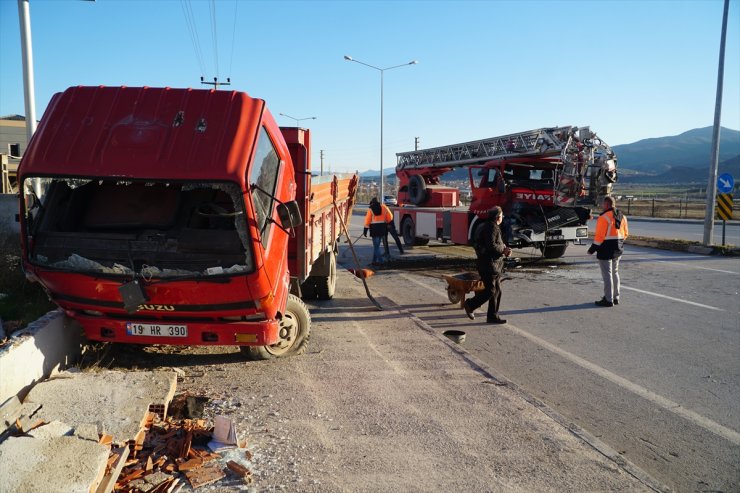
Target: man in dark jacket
x,y
490,251
611,231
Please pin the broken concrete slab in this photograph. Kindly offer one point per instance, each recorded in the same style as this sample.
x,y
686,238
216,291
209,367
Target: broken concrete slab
x,y
51,343
35,465
50,430
116,402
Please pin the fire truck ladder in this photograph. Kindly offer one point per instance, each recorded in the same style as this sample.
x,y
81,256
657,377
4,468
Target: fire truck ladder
x,y
588,163
540,143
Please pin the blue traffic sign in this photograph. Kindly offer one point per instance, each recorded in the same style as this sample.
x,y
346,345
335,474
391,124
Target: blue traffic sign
x,y
725,183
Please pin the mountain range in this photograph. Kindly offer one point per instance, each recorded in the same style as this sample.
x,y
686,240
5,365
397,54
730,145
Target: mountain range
x,y
682,158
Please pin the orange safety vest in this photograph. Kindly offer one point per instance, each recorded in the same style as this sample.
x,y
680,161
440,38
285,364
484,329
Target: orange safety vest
x,y
377,224
608,238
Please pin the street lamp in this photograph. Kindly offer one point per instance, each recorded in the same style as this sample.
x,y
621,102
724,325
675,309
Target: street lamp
x,y
381,70
297,119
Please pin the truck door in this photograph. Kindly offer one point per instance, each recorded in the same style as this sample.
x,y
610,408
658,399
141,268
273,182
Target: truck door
x,y
487,186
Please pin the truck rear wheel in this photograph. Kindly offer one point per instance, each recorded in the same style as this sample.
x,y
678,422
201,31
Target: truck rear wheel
x,y
408,231
554,251
295,330
326,285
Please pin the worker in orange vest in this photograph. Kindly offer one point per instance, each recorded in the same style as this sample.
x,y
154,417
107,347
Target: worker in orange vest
x,y
611,231
376,221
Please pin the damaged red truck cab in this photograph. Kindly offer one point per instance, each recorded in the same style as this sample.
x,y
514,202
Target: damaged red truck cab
x,y
175,216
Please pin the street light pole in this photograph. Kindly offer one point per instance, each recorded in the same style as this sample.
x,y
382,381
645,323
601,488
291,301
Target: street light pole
x,y
24,16
297,119
381,70
714,164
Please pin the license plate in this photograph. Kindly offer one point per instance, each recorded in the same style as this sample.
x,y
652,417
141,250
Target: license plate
x,y
156,330
556,237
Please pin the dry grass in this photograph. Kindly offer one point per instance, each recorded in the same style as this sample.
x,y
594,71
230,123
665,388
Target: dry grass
x,y
22,302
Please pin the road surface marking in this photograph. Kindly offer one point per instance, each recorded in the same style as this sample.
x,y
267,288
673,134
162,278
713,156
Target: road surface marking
x,y
673,299
697,267
657,399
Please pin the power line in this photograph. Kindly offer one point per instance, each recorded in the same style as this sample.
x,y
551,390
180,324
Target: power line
x,y
233,37
187,11
214,35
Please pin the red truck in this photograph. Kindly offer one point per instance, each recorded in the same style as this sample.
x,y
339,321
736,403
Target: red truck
x,y
545,180
181,217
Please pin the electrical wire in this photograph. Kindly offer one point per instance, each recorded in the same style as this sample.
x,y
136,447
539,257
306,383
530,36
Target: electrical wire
x,y
233,38
214,36
187,11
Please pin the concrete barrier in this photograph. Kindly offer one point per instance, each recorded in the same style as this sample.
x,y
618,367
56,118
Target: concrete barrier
x,y
49,344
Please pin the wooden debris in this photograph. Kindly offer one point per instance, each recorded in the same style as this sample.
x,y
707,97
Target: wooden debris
x,y
113,469
239,470
166,447
209,473
106,439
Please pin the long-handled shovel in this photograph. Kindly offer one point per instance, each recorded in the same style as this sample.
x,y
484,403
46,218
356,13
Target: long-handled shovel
x,y
359,272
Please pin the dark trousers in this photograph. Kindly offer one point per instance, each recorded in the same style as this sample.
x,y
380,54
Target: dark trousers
x,y
394,234
490,293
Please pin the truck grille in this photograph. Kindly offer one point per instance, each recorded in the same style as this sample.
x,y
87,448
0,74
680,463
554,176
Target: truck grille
x,y
556,218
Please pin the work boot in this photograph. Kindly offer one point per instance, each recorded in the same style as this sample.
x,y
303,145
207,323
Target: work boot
x,y
616,301
468,311
604,302
497,320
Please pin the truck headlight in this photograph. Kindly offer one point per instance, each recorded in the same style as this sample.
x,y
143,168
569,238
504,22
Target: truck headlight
x,y
582,233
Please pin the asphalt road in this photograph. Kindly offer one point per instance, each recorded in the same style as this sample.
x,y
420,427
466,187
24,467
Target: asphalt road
x,y
690,231
656,378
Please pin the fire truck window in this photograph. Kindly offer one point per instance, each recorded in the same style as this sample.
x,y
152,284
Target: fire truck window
x,y
488,178
264,174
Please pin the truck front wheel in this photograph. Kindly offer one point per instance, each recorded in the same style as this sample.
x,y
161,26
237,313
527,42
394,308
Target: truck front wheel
x,y
554,251
295,330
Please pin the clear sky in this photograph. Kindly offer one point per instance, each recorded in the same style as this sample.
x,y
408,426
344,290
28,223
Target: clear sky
x,y
631,69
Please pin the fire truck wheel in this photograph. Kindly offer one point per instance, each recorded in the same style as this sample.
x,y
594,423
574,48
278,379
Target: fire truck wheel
x,y
408,231
554,251
295,330
326,285
417,190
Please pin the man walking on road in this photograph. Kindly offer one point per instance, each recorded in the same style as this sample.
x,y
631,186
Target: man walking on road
x,y
490,251
376,221
611,231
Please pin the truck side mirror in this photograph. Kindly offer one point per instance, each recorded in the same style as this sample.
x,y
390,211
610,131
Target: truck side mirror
x,y
289,214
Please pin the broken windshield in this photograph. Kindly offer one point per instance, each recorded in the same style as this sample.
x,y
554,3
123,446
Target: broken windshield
x,y
153,229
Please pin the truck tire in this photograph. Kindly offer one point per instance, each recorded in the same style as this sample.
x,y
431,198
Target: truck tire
x,y
417,190
553,251
308,289
326,285
295,330
408,231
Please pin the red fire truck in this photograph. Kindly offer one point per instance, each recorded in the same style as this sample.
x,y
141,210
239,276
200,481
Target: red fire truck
x,y
179,216
545,180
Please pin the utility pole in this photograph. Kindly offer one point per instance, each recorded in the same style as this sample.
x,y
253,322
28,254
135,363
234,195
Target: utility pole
x,y
215,82
714,163
24,16
322,162
416,143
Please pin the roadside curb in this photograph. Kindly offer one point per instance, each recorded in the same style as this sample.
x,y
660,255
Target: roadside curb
x,y
48,345
578,432
682,246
